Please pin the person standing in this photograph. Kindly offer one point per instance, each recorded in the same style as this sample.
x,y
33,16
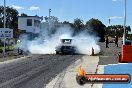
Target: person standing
x,y
107,42
116,40
20,52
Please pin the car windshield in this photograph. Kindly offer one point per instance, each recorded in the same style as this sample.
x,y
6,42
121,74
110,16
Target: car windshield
x,y
66,41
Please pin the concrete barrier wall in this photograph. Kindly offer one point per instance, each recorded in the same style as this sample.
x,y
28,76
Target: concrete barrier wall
x,y
126,53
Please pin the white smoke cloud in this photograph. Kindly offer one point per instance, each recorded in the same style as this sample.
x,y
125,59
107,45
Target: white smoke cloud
x,y
83,42
17,7
49,44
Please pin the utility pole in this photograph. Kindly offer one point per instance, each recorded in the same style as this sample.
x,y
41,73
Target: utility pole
x,y
49,12
4,13
124,34
4,24
109,21
49,20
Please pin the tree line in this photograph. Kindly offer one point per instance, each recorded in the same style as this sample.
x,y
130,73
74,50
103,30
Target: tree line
x,y
117,30
93,26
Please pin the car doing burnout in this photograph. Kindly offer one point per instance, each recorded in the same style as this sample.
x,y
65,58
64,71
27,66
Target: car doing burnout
x,y
65,47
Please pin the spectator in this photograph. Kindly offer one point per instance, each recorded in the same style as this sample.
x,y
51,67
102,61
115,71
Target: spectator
x,y
107,42
20,52
116,41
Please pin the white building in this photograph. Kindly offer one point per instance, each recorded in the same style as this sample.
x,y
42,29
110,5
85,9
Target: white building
x,y
29,23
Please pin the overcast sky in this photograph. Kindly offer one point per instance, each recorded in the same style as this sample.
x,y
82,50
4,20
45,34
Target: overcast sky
x,y
71,9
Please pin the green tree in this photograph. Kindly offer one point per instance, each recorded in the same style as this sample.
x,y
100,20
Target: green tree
x,y
23,14
11,18
52,24
117,30
68,23
129,36
78,26
96,26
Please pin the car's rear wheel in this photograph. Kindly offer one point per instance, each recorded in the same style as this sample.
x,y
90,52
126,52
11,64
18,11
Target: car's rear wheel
x,y
57,52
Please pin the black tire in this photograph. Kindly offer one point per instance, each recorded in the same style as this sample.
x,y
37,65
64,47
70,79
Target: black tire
x,y
73,53
81,80
57,52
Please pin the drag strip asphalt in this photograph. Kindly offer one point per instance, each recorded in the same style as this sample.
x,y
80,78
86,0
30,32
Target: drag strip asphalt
x,y
34,71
